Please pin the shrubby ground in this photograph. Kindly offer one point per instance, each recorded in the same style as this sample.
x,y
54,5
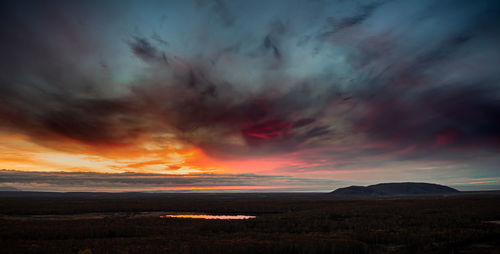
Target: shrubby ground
x,y
286,223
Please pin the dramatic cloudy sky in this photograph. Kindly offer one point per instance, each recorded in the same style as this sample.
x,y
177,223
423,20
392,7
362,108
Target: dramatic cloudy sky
x,y
248,95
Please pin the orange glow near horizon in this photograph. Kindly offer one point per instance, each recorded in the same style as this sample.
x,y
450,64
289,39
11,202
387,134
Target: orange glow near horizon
x,y
198,188
18,152
173,158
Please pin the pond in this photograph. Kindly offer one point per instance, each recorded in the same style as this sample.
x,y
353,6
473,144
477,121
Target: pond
x,y
133,215
209,217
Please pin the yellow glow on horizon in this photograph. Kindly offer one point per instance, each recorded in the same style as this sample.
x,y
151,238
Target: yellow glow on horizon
x,y
197,188
18,152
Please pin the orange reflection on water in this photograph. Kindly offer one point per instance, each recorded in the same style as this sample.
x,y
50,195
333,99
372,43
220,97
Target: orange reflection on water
x,y
209,217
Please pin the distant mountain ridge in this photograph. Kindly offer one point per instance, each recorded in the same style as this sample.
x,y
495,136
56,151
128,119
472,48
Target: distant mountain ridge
x,y
395,189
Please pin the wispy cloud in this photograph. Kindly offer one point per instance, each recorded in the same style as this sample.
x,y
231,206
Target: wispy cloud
x,y
90,181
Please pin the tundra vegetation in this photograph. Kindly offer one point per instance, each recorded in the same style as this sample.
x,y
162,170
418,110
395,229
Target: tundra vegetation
x,y
284,223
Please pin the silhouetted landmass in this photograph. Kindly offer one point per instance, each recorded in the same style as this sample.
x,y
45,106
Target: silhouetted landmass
x,y
8,189
396,189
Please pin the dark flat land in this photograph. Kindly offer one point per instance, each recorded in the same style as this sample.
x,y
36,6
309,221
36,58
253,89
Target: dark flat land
x,y
33,222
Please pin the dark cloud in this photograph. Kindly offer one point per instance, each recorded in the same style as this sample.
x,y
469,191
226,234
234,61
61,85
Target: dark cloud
x,y
337,24
158,38
428,80
93,121
272,45
220,7
272,39
143,49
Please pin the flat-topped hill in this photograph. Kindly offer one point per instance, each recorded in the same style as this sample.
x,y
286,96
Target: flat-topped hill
x,y
395,189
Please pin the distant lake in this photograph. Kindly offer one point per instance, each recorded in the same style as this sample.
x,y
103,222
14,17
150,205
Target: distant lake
x,y
135,215
209,217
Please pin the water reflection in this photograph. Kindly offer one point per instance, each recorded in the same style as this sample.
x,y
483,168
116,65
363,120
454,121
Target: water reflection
x,y
209,217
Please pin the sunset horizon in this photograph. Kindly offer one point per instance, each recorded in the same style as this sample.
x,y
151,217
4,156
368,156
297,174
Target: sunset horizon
x,y
249,126
235,96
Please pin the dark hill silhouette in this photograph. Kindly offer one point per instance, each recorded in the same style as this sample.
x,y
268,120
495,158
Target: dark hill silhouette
x,y
395,189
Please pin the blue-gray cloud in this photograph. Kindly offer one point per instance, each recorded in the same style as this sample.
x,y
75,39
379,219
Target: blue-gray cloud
x,y
279,76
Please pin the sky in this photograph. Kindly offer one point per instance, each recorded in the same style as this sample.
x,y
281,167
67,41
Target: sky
x,y
243,96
